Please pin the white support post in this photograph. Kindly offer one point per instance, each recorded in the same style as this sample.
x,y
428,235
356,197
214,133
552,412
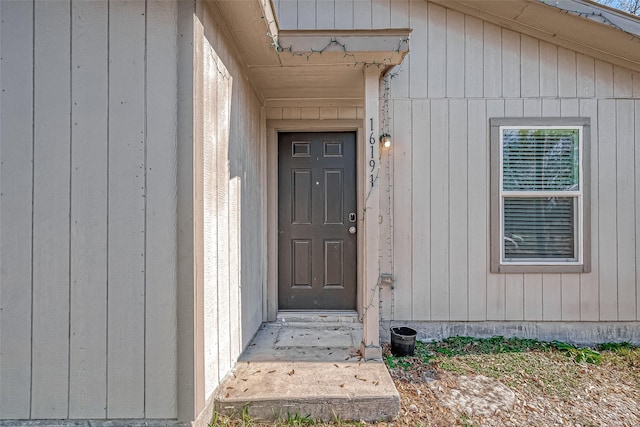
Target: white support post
x,y
370,167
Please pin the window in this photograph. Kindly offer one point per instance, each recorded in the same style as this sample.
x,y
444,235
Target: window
x,y
540,197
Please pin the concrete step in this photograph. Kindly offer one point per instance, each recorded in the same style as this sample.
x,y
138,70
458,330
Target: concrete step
x,y
305,341
318,390
334,316
308,368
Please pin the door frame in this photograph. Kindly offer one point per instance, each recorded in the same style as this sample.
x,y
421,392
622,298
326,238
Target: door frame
x,y
270,300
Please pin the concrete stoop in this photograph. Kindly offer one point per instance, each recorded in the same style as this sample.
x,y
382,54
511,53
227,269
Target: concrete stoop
x,y
319,390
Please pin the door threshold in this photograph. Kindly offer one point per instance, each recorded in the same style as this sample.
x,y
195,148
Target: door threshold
x,y
329,316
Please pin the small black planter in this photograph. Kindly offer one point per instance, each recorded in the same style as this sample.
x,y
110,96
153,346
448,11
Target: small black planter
x,y
403,341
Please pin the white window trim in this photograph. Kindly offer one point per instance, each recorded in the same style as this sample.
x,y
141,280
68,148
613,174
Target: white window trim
x,y
581,262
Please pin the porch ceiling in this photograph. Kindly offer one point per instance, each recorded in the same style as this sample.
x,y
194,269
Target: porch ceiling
x,y
315,64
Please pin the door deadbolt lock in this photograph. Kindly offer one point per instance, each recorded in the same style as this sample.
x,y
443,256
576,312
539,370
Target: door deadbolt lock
x,y
352,217
352,229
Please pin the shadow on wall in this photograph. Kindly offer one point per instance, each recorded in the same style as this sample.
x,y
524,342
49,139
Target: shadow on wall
x,y
233,218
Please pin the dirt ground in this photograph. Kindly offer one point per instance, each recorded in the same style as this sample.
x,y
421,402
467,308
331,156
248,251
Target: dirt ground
x,y
525,389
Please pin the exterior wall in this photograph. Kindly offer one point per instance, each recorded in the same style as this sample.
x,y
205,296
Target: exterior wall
x,y
307,112
88,209
460,72
342,14
230,137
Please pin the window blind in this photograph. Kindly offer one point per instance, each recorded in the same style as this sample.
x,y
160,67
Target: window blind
x,y
540,160
539,227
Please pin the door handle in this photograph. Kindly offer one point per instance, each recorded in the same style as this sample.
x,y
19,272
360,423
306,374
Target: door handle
x,y
352,217
352,229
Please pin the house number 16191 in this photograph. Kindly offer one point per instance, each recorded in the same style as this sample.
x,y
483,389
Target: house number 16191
x,y
372,159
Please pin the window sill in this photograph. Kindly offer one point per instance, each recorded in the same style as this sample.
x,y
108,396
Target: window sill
x,y
514,268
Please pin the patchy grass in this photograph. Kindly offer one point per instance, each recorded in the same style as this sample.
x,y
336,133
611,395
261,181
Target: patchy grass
x,y
456,346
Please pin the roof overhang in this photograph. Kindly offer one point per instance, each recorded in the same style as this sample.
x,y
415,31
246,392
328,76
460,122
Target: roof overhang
x,y
580,25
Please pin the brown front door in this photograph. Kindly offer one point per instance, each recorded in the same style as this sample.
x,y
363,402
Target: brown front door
x,y
316,210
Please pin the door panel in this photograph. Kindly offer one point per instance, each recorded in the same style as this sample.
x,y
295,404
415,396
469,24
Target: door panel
x,y
317,192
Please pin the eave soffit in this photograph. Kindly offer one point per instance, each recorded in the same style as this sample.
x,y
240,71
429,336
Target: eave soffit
x,y
580,25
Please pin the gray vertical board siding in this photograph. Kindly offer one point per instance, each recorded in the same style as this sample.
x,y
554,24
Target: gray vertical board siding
x,y
496,297
548,69
625,209
380,13
187,49
399,10
585,69
343,14
622,82
513,107
288,14
589,283
603,79
514,290
362,14
636,85
455,54
126,210
236,136
510,64
473,57
492,60
567,87
261,313
69,196
550,107
402,207
307,14
570,297
235,260
386,232
16,191
418,55
637,197
325,14
440,214
88,351
249,172
532,107
51,194
533,306
607,189
209,134
530,66
160,210
399,83
224,83
199,352
436,51
478,208
421,208
458,213
569,107
551,297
